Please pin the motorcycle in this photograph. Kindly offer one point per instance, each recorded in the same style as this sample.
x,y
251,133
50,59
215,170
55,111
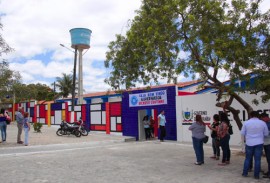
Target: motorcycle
x,y
67,129
82,128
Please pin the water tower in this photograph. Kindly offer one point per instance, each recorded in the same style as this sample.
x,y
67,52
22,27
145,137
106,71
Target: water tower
x,y
80,40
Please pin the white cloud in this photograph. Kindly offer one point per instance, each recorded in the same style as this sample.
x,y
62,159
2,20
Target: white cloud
x,y
36,28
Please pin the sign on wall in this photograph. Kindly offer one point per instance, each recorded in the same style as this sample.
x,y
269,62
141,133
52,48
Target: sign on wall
x,y
148,98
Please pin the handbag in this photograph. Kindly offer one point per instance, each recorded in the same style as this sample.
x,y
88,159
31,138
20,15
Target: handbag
x,y
205,139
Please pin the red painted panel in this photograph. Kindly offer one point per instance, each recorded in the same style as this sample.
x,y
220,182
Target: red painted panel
x,y
35,114
84,112
115,109
99,127
42,111
67,115
108,124
183,93
52,112
119,127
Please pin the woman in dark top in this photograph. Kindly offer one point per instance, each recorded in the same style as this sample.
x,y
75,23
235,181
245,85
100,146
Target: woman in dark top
x,y
224,136
215,139
3,125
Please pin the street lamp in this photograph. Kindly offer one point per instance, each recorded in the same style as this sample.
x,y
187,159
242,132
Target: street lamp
x,y
74,76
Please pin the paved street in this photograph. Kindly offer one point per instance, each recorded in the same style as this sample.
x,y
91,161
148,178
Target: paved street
x,y
113,160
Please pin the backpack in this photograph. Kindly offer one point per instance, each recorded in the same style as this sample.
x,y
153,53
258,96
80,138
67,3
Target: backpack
x,y
230,130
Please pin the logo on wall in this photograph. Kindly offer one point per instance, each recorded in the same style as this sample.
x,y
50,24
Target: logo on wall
x,y
188,116
134,100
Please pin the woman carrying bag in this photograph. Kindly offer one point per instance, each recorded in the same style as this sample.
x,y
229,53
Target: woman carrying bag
x,y
198,128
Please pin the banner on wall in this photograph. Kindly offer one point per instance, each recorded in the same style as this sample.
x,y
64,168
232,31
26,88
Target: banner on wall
x,y
148,98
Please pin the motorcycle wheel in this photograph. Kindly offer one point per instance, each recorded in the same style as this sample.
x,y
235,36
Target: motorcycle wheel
x,y
77,133
59,132
84,132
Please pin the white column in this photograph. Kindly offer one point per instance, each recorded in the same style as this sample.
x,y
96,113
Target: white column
x,y
80,92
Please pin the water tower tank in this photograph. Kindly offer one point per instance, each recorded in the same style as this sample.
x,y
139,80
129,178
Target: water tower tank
x,y
80,38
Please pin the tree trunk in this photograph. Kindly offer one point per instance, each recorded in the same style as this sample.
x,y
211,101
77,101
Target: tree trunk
x,y
234,112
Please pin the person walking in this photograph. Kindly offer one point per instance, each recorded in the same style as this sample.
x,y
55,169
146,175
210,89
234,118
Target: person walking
x,y
19,119
26,127
215,139
266,144
254,131
3,124
161,125
224,136
198,128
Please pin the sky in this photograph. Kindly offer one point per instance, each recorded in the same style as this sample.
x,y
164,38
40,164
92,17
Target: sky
x,y
36,28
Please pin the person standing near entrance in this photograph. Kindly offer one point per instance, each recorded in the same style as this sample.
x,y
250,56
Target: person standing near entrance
x,y
254,131
161,125
152,127
19,119
146,127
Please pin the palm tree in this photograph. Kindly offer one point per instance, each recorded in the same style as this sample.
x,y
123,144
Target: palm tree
x,y
64,84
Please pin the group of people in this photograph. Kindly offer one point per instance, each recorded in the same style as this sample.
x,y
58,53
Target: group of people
x,y
255,131
22,119
220,138
256,134
149,126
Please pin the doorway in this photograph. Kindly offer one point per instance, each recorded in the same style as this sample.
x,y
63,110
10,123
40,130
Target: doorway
x,y
141,114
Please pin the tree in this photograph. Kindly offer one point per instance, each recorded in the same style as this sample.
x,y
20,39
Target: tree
x,y
4,47
215,35
64,84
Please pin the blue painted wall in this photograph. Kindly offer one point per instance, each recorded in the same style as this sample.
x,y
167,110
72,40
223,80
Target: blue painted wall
x,y
130,114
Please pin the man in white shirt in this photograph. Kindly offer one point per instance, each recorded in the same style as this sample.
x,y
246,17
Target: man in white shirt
x,y
254,131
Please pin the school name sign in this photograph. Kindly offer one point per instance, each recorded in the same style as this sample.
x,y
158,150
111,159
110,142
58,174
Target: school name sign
x,y
148,98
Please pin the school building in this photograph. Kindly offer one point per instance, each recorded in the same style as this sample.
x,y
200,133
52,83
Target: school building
x,y
123,112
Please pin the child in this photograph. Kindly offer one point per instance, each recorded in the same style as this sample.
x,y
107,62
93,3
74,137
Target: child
x,y
26,127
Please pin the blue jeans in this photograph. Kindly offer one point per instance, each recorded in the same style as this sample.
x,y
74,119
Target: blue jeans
x,y
198,148
3,126
26,132
256,152
226,152
216,149
267,155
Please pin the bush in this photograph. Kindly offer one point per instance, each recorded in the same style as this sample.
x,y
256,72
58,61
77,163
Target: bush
x,y
37,127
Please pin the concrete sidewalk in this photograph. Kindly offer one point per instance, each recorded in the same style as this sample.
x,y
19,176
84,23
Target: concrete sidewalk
x,y
107,158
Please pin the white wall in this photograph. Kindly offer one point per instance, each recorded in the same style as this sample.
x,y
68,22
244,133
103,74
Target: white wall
x,y
205,104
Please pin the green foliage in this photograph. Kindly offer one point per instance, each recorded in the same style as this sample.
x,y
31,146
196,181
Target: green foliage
x,y
193,37
37,127
215,35
64,84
